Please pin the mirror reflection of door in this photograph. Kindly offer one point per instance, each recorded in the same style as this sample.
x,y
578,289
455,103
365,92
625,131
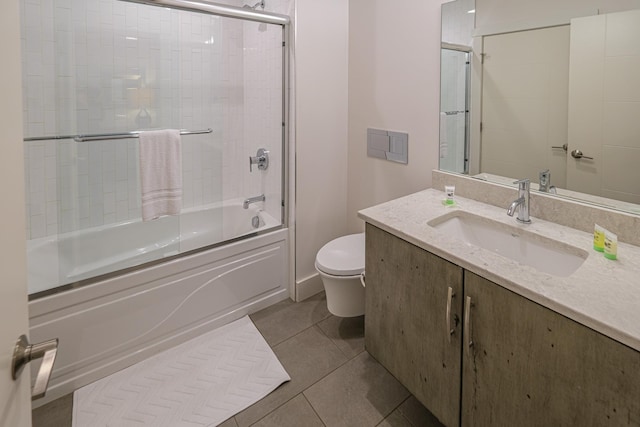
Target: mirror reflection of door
x,y
454,110
604,106
524,104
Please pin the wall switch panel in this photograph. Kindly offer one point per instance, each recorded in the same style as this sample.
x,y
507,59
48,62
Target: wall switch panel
x,y
388,145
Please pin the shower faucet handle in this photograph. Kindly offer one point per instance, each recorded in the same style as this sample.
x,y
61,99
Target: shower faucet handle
x,y
261,159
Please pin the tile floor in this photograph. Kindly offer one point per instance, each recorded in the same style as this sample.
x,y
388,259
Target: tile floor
x,y
334,381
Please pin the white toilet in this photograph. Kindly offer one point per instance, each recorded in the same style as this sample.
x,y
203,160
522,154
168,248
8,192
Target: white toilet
x,y
340,264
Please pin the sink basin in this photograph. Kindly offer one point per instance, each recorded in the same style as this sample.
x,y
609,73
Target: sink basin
x,y
544,254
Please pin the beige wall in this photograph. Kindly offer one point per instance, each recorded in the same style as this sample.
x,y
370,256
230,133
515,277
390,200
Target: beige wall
x,y
321,59
495,16
394,84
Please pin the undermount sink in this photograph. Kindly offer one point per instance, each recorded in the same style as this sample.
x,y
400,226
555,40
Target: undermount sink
x,y
544,254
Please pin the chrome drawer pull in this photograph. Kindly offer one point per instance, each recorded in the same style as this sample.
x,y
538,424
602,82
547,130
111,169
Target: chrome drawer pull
x,y
468,336
450,295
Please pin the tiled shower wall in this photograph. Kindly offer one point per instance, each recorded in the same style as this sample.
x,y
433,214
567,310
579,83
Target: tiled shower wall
x,y
104,66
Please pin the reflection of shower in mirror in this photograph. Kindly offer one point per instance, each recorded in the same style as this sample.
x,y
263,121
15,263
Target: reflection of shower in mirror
x,y
262,27
255,6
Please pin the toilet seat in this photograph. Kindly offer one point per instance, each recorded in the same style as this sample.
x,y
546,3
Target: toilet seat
x,y
343,256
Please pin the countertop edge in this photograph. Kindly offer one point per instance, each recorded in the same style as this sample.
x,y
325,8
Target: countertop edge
x,y
372,216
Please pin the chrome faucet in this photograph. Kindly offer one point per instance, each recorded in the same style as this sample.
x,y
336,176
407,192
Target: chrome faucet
x,y
261,159
522,202
250,200
545,182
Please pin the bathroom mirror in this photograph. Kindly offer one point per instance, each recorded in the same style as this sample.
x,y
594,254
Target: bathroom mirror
x,y
542,81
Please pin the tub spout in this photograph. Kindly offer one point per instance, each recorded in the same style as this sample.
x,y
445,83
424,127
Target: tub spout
x,y
250,200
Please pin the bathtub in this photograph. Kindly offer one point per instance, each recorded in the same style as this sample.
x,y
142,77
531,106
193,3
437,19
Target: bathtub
x,y
118,320
72,257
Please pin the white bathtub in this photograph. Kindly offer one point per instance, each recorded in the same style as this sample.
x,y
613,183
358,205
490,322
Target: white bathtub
x,y
80,255
115,322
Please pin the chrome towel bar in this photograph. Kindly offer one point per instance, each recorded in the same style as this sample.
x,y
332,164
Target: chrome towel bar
x,y
106,136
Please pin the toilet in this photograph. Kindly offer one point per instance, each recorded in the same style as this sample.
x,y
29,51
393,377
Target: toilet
x,y
341,264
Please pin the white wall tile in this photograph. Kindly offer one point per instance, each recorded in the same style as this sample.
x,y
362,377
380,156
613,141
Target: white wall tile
x,y
80,56
620,79
620,170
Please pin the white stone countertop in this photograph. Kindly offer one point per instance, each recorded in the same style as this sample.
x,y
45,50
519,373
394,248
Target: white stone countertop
x,y
602,294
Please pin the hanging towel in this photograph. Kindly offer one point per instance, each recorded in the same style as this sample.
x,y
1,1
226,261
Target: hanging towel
x,y
160,173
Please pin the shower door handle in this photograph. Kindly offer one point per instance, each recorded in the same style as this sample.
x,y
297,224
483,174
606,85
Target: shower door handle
x,y
24,353
261,159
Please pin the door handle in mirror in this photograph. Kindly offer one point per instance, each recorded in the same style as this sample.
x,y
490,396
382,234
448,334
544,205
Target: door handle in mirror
x,y
24,353
564,147
577,154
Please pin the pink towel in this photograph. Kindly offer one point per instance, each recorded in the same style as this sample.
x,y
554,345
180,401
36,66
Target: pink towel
x,y
160,173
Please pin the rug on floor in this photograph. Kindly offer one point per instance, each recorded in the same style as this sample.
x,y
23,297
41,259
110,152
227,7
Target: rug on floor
x,y
201,382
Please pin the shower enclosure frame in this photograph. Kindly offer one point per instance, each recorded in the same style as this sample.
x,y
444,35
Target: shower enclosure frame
x,y
225,11
80,359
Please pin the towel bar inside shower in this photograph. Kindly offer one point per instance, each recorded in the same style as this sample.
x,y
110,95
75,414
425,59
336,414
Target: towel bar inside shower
x,y
106,136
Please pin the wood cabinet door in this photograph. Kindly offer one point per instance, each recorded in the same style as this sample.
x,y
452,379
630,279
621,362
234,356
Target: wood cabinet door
x,y
406,325
530,366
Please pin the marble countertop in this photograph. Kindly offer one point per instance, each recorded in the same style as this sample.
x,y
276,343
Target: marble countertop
x,y
601,294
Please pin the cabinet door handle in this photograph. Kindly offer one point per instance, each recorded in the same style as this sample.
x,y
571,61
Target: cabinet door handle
x,y
468,336
450,295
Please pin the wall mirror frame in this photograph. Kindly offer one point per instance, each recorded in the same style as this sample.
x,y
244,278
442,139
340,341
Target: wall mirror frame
x,y
488,28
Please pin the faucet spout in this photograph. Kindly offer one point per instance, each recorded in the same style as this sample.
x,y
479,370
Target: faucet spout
x,y
513,206
248,201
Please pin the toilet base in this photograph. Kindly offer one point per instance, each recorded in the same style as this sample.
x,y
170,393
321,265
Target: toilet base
x,y
345,295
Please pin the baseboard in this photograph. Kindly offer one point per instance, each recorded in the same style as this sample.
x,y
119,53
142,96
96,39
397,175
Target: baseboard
x,y
308,287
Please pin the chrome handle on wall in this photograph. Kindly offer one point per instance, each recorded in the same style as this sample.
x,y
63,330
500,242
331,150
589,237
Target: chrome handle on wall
x,y
564,147
577,154
261,159
468,336
24,353
450,295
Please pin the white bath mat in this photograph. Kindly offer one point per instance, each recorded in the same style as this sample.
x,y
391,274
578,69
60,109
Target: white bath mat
x,y
202,382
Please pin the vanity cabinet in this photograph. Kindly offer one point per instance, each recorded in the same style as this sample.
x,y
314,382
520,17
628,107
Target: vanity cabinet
x,y
529,365
405,325
509,361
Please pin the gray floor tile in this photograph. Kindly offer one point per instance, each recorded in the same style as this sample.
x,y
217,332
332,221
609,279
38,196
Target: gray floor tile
x,y
346,332
417,414
334,381
287,318
307,357
295,413
231,422
395,419
359,393
57,413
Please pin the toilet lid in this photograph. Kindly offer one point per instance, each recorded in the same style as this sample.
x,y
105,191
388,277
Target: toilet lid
x,y
343,256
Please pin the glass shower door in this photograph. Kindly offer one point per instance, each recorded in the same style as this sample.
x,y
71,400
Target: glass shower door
x,y
454,115
97,70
